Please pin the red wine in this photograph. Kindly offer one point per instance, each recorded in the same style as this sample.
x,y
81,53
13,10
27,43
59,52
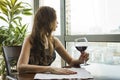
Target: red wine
x,y
81,48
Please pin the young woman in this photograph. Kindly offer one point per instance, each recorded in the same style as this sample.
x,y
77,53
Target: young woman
x,y
38,50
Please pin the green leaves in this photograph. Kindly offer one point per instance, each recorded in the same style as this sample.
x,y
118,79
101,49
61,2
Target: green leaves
x,y
14,35
27,12
13,2
10,12
13,9
3,18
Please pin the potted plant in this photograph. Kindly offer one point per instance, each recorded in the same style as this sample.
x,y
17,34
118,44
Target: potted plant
x,y
13,33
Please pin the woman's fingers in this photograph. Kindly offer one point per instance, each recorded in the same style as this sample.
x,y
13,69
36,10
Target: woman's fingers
x,y
70,72
63,71
84,57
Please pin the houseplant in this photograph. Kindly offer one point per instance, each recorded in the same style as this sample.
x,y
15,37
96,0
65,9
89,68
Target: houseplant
x,y
14,31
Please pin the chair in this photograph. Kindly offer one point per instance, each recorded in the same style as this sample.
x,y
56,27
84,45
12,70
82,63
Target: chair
x,y
11,55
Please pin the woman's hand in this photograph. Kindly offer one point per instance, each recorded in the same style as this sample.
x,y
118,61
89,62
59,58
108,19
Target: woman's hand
x,y
84,57
62,71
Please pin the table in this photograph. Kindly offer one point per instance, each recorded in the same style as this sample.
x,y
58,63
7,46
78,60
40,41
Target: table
x,y
99,71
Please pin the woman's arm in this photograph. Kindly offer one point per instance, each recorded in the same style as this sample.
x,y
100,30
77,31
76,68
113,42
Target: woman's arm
x,y
65,55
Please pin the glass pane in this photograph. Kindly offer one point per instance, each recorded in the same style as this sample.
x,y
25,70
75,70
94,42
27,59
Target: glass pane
x,y
100,52
56,5
28,19
93,16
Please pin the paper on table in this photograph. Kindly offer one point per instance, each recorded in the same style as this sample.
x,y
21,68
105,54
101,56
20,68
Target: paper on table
x,y
81,74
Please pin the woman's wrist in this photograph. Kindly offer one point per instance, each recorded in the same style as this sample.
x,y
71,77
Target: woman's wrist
x,y
51,69
75,63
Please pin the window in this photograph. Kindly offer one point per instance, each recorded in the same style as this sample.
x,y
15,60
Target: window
x,y
93,16
28,19
98,20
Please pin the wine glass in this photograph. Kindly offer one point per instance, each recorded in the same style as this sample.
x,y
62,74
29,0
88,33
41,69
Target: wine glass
x,y
81,45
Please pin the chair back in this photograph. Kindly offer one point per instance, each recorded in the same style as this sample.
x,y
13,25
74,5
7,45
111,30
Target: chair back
x,y
11,55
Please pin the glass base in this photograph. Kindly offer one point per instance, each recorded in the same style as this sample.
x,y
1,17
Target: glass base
x,y
84,64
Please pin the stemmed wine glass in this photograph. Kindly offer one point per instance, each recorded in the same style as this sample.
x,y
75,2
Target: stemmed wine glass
x,y
81,45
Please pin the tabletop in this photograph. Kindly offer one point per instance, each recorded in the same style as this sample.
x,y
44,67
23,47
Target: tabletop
x,y
99,72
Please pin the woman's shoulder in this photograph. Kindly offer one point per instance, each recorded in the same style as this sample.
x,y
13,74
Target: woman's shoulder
x,y
57,42
27,40
27,37
56,39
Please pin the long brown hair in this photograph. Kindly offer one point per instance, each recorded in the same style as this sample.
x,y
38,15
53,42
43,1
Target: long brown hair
x,y
43,26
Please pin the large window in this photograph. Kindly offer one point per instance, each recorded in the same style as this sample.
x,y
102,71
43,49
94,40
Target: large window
x,y
99,21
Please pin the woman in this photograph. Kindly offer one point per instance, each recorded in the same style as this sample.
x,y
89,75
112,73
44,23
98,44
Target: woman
x,y
38,50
